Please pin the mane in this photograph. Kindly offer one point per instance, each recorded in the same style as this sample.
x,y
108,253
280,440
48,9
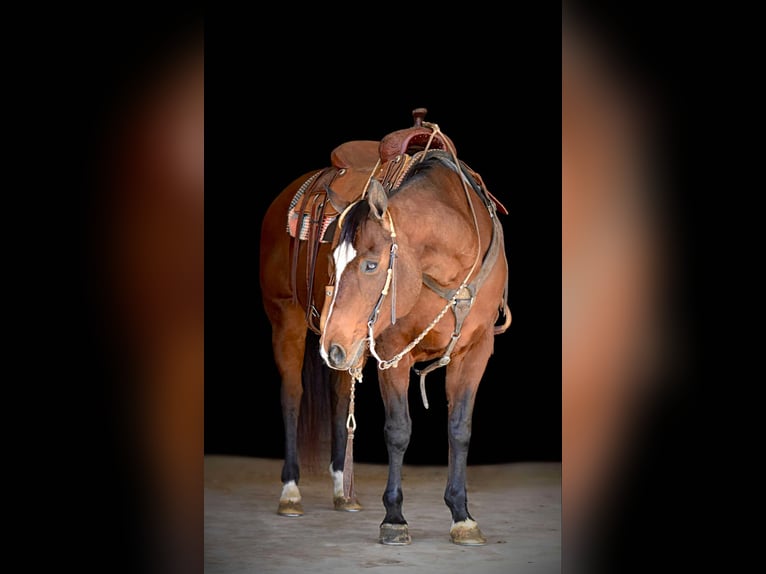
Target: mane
x,y
353,219
434,158
424,166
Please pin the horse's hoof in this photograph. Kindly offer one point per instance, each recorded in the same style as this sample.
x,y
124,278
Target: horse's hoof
x,y
467,533
395,534
290,508
346,504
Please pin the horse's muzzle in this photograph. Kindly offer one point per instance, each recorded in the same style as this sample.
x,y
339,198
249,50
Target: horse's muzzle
x,y
337,357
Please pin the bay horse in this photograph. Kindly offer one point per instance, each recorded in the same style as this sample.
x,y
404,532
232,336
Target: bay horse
x,y
395,252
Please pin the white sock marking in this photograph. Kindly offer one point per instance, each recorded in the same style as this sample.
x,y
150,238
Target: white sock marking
x,y
337,482
467,522
290,492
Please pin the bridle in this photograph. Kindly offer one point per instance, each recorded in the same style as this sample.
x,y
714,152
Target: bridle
x,y
390,282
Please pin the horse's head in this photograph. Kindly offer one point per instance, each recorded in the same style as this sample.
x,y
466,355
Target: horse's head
x,y
377,279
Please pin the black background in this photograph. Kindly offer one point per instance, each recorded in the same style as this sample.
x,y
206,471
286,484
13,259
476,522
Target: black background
x,y
269,120
284,88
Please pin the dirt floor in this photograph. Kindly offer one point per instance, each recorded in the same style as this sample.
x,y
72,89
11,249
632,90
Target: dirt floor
x,y
517,507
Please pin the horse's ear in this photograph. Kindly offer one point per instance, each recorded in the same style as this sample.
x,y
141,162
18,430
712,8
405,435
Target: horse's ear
x,y
336,200
377,198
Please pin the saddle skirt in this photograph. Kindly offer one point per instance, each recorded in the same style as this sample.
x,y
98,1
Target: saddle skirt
x,y
310,212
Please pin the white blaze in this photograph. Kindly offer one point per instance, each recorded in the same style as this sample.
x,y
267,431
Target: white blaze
x,y
342,255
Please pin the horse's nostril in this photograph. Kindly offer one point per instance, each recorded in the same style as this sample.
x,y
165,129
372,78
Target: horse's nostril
x,y
337,355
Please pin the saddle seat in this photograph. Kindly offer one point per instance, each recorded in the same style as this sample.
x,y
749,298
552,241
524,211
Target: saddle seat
x,y
357,154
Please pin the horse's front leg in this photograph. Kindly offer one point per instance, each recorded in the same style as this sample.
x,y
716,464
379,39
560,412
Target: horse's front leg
x,y
461,382
397,430
341,390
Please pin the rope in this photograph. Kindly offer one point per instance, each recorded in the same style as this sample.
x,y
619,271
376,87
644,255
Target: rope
x,y
348,464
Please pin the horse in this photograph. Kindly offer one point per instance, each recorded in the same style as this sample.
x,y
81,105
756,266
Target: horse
x,y
394,252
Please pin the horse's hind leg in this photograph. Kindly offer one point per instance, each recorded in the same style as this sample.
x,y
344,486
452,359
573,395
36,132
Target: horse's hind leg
x,y
462,380
289,342
397,430
341,391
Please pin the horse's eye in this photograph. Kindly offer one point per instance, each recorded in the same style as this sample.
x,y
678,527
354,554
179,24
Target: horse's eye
x,y
369,266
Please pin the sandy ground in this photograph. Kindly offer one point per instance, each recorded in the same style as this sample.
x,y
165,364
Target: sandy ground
x,y
517,506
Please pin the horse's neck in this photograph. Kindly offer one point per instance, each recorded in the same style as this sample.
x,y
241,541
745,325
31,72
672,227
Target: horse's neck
x,y
440,232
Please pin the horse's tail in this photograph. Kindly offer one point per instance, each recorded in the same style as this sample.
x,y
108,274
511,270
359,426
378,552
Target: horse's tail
x,y
315,413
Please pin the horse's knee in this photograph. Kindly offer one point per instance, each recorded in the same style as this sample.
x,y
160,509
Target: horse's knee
x,y
291,396
460,432
398,434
